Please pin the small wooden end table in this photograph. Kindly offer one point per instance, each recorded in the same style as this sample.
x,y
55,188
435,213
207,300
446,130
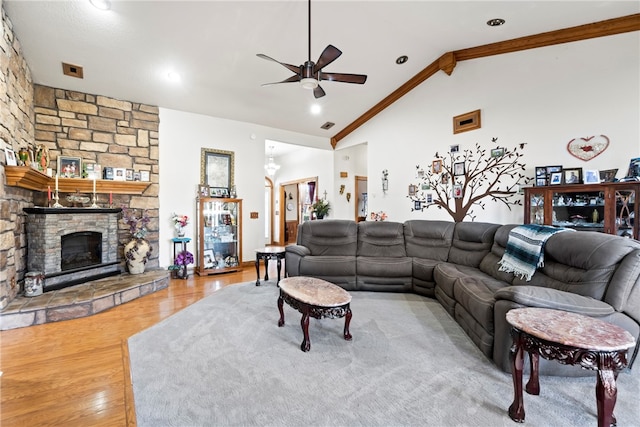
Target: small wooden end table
x,y
267,253
571,339
315,298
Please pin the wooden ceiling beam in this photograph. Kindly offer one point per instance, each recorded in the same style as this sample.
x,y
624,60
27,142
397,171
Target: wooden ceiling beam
x,y
448,61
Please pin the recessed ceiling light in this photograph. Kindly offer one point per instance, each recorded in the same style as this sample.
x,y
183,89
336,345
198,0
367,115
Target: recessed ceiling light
x,y
495,22
402,59
173,76
316,109
101,4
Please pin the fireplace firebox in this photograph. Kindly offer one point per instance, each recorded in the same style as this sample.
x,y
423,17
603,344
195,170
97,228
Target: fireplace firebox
x,y
72,245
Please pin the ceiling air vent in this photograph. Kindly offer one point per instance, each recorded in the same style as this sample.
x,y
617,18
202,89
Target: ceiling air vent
x,y
72,70
327,125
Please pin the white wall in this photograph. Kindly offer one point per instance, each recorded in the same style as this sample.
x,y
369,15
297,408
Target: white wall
x,y
542,97
353,160
182,135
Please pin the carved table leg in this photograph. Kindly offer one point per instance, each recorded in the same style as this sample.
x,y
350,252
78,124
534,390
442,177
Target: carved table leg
x,y
533,386
279,264
266,268
347,321
304,322
606,391
280,304
516,410
258,270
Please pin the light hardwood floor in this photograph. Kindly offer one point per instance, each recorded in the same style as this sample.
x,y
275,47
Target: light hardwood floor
x,y
74,373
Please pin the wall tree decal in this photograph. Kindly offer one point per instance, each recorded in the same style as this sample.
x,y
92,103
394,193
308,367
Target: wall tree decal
x,y
495,173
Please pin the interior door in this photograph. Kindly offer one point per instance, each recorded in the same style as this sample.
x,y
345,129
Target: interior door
x,y
361,205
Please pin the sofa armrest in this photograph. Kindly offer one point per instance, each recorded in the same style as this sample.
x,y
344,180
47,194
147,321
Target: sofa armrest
x,y
292,256
539,296
297,250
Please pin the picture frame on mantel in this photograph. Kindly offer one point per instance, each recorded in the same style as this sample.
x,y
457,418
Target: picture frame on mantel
x,y
69,167
216,168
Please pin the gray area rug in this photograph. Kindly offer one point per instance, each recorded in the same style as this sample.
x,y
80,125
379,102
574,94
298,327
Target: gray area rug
x,y
224,362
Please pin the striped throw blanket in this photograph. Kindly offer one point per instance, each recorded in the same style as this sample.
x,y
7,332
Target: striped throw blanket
x,y
525,249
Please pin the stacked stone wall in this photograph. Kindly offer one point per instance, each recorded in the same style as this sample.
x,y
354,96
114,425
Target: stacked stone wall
x,y
16,131
109,132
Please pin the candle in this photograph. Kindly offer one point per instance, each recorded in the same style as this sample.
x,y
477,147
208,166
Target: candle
x,y
94,186
110,198
56,182
48,192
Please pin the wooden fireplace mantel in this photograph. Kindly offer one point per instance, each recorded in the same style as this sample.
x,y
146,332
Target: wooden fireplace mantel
x,y
31,179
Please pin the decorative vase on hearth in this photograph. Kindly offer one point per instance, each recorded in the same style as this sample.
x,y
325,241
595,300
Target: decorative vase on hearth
x,y
137,253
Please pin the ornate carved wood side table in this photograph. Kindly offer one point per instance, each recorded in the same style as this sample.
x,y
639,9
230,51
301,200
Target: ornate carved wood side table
x,y
315,298
267,253
571,339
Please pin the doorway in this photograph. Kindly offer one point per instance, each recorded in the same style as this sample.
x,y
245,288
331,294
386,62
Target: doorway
x,y
268,212
361,205
296,198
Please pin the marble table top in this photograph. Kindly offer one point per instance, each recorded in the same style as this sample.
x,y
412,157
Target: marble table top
x,y
271,250
312,291
570,329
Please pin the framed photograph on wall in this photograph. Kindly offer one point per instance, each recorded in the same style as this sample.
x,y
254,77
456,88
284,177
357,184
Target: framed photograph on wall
x,y
572,176
413,189
457,191
458,169
436,166
216,168
497,152
69,167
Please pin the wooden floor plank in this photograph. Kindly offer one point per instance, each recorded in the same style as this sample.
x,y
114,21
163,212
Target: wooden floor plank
x,y
73,373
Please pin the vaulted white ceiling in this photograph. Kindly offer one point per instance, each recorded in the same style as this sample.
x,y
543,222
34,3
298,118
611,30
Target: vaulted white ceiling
x,y
128,51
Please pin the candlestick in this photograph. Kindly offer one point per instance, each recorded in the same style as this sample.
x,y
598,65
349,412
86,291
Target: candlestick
x,y
94,186
56,198
56,182
95,199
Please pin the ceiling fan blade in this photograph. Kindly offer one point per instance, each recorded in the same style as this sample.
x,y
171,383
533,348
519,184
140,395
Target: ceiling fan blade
x,y
291,79
344,78
328,55
318,92
295,69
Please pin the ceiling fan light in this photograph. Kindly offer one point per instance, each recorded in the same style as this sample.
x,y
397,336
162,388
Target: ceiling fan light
x,y
309,83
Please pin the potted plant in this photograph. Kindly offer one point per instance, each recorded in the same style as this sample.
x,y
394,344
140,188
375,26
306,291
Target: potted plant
x,y
138,250
179,222
321,208
183,259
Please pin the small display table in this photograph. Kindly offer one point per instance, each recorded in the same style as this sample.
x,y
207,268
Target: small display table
x,y
571,339
267,253
316,298
179,271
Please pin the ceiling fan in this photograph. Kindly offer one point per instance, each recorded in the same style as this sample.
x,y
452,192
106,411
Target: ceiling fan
x,y
310,74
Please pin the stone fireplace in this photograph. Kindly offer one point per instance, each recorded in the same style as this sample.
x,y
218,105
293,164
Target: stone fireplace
x,y
72,245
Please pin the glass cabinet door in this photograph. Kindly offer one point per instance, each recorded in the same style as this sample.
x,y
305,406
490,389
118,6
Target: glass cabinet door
x,y
625,213
536,207
219,235
584,210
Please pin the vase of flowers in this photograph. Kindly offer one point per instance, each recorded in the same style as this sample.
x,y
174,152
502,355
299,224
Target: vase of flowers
x,y
138,250
179,223
378,216
183,259
321,208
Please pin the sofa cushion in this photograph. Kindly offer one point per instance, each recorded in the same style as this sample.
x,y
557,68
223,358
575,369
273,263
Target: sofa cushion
x,y
535,296
428,239
489,263
381,239
384,267
446,275
423,269
471,242
329,238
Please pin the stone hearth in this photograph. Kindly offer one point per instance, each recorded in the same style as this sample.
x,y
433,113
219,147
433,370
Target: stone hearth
x,y
81,300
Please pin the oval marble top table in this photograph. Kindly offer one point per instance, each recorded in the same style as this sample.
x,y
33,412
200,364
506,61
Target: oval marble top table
x,y
570,329
314,291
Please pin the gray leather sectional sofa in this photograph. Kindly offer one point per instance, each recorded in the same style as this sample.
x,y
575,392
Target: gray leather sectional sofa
x,y
591,273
